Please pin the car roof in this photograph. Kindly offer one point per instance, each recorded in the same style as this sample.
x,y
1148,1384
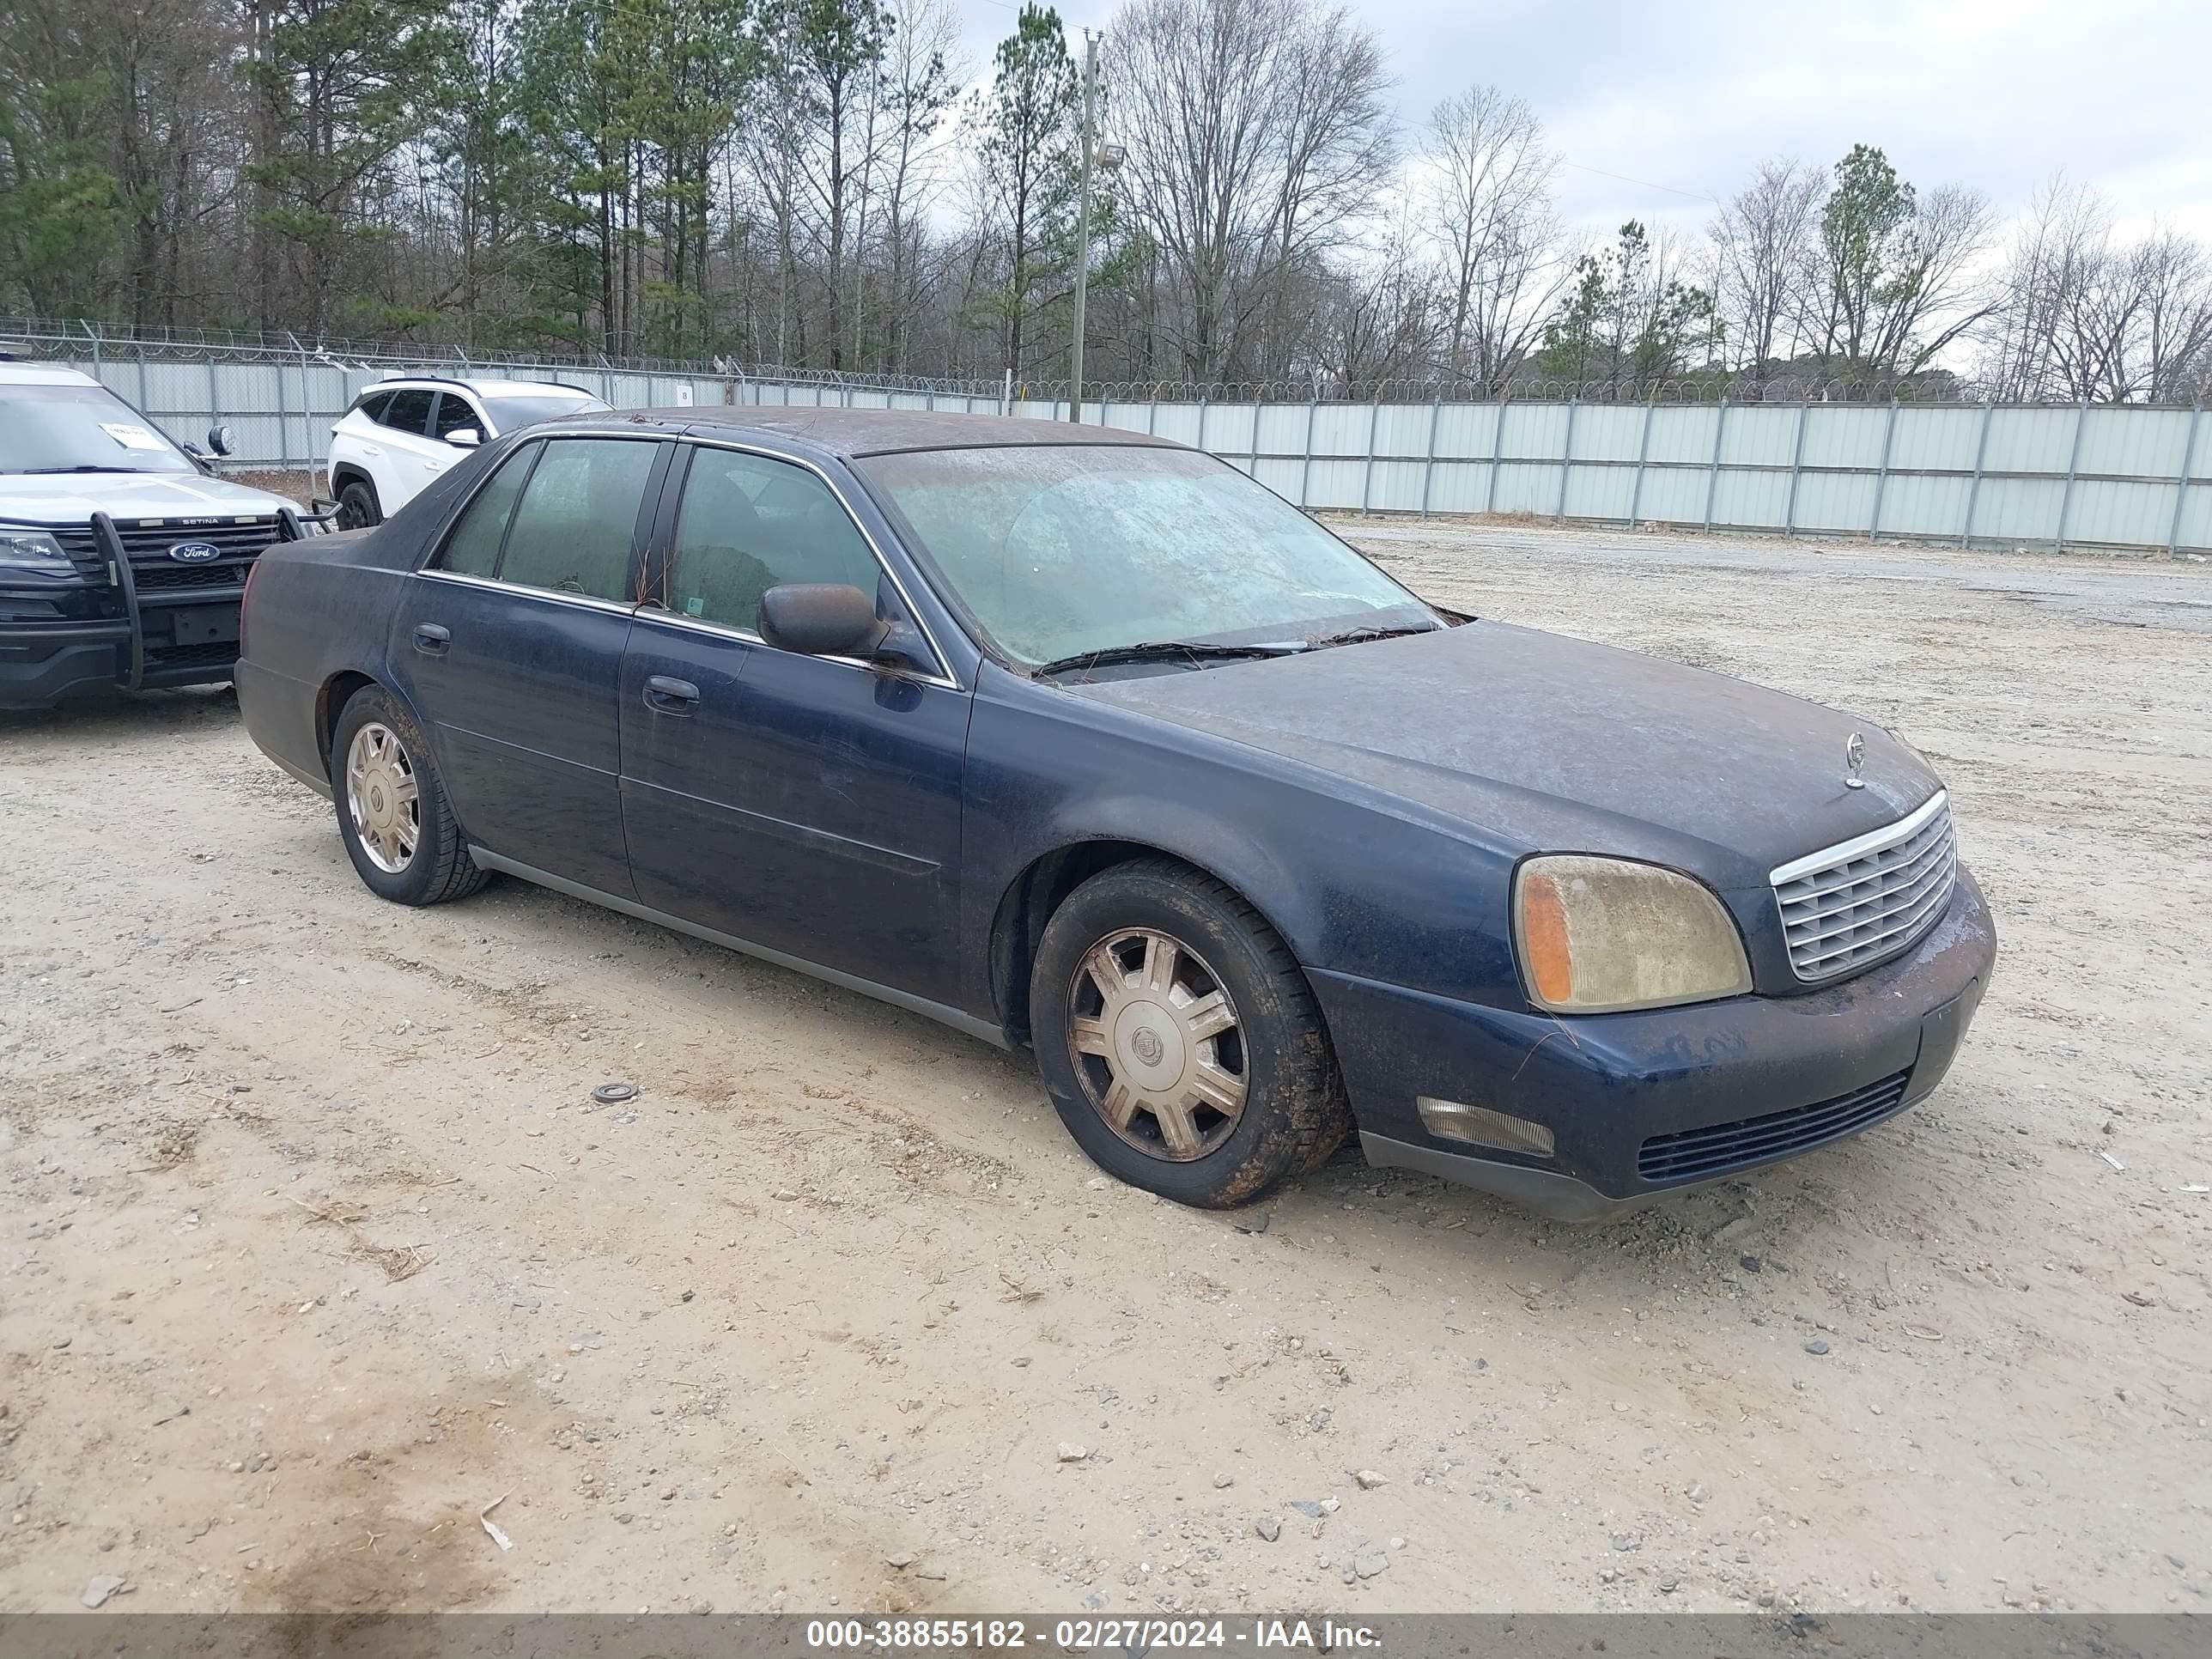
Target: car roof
x,y
850,433
15,374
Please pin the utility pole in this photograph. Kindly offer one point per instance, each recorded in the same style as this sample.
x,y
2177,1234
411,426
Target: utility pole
x,y
1083,216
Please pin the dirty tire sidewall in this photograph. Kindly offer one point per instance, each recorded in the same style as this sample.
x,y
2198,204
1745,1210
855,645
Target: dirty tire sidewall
x,y
1294,1111
441,868
357,507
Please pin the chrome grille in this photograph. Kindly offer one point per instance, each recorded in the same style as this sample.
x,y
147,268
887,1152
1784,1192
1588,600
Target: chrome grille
x,y
1852,905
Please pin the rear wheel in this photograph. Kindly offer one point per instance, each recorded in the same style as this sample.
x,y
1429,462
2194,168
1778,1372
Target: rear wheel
x,y
357,506
1179,1039
392,814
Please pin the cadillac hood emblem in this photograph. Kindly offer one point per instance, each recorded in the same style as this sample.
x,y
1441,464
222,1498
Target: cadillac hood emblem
x,y
1854,762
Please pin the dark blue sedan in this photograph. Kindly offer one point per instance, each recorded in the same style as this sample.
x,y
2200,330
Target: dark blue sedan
x,y
1080,740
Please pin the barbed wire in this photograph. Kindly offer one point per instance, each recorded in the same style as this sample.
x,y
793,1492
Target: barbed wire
x,y
80,340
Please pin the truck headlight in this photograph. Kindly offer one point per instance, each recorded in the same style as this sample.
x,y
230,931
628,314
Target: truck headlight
x,y
33,549
1603,935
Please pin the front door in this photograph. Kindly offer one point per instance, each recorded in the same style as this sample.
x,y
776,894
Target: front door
x,y
510,641
808,804
409,456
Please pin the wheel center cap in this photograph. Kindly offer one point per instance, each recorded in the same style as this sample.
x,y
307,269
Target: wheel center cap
x,y
1148,1046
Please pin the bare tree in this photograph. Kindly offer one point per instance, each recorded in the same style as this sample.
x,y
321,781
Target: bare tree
x,y
1763,241
1376,320
2082,318
1487,178
1256,131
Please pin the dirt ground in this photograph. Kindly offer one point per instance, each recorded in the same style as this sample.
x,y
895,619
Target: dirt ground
x,y
314,1243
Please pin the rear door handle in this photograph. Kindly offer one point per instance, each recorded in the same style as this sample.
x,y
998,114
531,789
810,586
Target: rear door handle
x,y
432,640
665,696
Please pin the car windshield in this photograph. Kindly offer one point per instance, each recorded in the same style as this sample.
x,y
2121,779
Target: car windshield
x,y
511,409
79,428
1057,551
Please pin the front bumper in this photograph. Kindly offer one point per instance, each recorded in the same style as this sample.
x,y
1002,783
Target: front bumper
x,y
42,663
1640,1105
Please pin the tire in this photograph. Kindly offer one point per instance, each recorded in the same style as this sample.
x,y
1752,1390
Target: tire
x,y
1145,1077
378,754
357,506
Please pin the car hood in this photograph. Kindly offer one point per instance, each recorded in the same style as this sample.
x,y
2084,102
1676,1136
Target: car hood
x,y
1538,742
65,498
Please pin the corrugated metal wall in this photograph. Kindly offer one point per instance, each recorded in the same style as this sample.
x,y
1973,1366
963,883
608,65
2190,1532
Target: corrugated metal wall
x,y
2120,477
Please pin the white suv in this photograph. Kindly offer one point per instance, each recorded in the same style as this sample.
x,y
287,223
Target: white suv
x,y
402,433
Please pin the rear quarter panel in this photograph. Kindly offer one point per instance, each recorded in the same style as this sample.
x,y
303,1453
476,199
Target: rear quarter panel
x,y
320,609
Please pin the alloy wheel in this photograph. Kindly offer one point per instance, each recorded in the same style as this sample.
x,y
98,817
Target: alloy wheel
x,y
1157,1044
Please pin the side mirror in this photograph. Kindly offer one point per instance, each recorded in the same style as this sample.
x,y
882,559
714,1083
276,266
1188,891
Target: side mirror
x,y
219,441
820,619
465,437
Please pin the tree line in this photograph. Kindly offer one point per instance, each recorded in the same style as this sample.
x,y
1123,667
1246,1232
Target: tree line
x,y
817,184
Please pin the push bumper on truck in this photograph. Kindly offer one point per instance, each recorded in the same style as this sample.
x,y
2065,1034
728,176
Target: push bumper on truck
x,y
128,613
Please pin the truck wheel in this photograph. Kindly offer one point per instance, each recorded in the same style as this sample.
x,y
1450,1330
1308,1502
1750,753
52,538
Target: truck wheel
x,y
357,507
392,814
1179,1040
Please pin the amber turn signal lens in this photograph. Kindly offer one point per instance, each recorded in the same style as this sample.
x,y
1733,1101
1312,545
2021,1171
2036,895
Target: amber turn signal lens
x,y
1600,935
1544,937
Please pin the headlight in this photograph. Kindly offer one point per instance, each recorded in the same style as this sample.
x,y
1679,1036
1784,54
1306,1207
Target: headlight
x,y
33,549
1601,935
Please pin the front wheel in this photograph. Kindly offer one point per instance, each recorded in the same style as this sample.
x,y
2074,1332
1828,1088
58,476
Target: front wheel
x,y
392,813
1179,1039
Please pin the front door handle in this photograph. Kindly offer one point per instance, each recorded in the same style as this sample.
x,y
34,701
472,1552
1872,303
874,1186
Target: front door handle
x,y
432,640
665,696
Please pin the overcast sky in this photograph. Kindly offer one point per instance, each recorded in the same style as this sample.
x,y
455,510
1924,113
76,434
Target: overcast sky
x,y
1683,97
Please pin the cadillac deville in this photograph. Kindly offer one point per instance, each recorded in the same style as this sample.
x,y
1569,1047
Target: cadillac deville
x,y
1083,741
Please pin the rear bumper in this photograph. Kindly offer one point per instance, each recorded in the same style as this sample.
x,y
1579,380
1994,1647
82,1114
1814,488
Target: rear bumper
x,y
279,713
1641,1105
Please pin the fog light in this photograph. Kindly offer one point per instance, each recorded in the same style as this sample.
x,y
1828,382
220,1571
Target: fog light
x,y
1449,1119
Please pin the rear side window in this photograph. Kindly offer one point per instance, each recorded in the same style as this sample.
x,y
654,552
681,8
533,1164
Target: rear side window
x,y
473,548
373,406
575,526
408,411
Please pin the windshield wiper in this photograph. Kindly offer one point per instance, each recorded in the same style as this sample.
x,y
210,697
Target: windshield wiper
x,y
81,467
1195,651
1361,635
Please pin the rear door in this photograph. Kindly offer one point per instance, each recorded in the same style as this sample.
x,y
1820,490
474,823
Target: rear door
x,y
809,805
509,641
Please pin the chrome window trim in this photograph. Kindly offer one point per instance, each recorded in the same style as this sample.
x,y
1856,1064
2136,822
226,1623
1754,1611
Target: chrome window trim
x,y
590,601
660,613
1873,841
943,677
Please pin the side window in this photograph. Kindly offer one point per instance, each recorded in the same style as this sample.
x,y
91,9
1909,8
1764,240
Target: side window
x,y
473,548
747,524
454,413
575,526
373,406
409,412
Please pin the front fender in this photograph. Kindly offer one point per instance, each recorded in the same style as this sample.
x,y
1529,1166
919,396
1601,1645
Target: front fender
x,y
1349,883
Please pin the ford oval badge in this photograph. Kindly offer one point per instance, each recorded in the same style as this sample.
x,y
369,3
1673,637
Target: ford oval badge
x,y
195,552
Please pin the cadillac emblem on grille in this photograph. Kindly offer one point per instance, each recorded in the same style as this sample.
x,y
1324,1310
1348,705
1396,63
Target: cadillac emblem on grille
x,y
1854,762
